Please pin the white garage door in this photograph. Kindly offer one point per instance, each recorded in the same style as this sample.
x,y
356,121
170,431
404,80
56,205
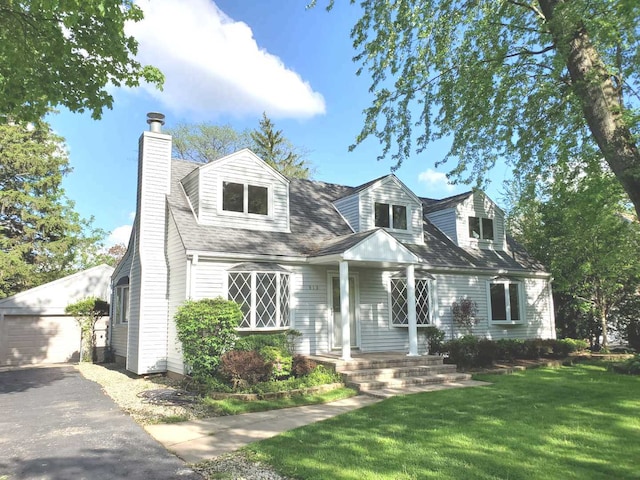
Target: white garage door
x,y
41,339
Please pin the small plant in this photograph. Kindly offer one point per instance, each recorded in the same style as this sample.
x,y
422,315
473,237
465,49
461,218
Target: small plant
x,y
280,360
302,366
257,341
244,368
630,366
465,313
434,338
87,312
207,330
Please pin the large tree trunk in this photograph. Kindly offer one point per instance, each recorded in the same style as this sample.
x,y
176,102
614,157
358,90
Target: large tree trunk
x,y
600,102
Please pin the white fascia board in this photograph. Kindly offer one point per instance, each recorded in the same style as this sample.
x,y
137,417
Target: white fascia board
x,y
246,152
244,257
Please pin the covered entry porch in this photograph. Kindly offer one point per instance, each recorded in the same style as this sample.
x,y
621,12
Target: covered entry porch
x,y
375,249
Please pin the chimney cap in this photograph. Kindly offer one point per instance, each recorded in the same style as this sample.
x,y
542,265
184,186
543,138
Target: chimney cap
x,y
155,120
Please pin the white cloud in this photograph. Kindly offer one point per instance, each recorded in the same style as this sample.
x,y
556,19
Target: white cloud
x,y
436,180
119,234
212,64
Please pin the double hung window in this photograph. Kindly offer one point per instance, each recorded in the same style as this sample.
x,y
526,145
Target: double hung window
x,y
505,301
121,301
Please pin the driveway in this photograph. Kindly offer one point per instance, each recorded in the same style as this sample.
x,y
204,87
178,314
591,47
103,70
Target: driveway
x,y
56,425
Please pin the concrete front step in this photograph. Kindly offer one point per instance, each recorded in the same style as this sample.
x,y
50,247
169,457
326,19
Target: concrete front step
x,y
397,372
432,387
408,381
369,364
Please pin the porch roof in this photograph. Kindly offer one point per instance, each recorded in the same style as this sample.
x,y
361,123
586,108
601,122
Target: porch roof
x,y
375,246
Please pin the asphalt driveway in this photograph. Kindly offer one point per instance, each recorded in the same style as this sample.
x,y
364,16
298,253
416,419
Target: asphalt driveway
x,y
56,425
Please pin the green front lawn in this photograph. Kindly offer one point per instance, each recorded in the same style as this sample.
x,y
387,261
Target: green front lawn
x,y
577,422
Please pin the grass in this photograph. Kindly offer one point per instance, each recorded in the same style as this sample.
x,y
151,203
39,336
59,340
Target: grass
x,y
235,407
579,422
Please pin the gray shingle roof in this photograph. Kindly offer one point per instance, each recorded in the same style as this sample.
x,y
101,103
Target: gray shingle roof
x,y
432,205
318,229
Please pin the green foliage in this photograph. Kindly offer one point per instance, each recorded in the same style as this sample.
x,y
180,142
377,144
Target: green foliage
x,y
207,330
87,312
280,360
532,83
42,238
630,366
464,313
434,338
271,145
205,142
67,53
257,341
578,226
321,375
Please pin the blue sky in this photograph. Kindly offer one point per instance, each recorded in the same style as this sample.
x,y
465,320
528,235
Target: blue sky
x,y
227,62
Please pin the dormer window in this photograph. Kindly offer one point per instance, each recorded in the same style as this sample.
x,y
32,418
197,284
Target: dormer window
x,y
481,228
244,198
391,216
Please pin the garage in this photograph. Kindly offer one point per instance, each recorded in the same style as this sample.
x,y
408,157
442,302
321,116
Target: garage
x,y
34,328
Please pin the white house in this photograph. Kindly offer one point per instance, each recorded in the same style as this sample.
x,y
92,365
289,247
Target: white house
x,y
350,267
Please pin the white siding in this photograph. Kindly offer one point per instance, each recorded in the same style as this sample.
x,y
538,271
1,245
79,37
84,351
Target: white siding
x,y
191,185
119,333
349,208
445,221
388,191
479,205
147,345
310,311
538,317
177,261
246,169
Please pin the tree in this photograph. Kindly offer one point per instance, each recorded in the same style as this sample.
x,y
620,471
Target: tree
x,y
87,312
580,227
66,53
532,82
111,256
41,237
271,145
205,142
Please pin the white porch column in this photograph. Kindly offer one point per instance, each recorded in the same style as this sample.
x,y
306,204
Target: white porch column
x,y
344,310
411,311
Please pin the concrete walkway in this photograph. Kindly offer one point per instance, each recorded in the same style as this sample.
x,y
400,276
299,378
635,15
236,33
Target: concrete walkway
x,y
208,438
200,440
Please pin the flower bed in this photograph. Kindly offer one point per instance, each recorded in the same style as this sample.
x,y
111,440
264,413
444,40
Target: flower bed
x,y
252,397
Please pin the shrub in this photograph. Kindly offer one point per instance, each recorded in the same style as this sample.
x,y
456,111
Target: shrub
x,y
464,314
434,338
257,341
565,346
279,359
630,366
302,366
487,351
509,349
87,312
244,368
207,329
463,351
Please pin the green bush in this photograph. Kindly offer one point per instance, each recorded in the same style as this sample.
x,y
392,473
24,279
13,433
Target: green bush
x,y
630,366
565,346
434,339
207,329
280,360
257,341
321,375
509,349
463,351
87,312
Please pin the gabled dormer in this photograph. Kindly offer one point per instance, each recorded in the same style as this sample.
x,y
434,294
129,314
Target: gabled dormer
x,y
239,191
384,203
471,220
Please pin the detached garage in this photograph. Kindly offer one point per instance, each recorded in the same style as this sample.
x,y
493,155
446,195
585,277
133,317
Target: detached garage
x,y
34,327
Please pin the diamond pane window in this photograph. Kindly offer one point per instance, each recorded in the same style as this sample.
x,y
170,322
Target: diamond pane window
x,y
399,307
264,297
240,292
399,311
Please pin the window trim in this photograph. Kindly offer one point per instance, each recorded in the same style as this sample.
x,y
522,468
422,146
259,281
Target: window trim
x,y
480,222
253,299
121,309
245,199
521,301
390,204
431,311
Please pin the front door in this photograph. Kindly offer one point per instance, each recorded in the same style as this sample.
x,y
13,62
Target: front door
x,y
337,317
